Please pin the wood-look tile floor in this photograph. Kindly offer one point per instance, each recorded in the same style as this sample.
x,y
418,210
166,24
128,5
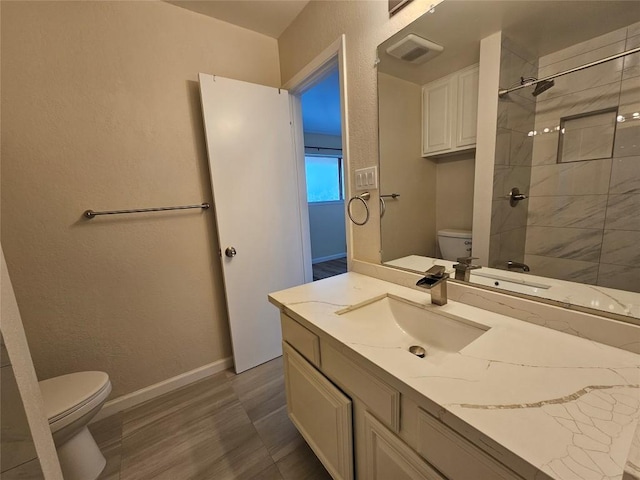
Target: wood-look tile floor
x,y
329,268
226,426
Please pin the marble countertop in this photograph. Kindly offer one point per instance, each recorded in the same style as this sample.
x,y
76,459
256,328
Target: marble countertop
x,y
547,404
590,296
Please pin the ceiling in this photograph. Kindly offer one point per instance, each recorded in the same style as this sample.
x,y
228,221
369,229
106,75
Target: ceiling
x,y
269,17
541,27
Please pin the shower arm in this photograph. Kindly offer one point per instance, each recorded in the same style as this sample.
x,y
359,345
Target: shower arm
x,y
503,92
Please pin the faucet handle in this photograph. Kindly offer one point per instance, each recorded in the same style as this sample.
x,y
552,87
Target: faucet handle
x,y
436,271
466,260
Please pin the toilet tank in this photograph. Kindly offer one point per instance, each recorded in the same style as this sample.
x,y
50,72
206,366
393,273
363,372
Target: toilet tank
x,y
454,244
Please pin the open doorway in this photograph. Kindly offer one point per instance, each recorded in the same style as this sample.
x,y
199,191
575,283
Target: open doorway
x,y
324,171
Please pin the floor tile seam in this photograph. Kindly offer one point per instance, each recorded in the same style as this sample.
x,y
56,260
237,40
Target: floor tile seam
x,y
270,414
166,398
223,405
190,435
264,383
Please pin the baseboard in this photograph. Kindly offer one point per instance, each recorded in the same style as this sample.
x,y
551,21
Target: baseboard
x,y
147,393
329,257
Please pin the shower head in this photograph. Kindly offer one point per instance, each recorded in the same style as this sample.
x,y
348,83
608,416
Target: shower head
x,y
543,86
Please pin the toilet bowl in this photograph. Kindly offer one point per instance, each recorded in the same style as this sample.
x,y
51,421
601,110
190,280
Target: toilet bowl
x,y
70,402
454,244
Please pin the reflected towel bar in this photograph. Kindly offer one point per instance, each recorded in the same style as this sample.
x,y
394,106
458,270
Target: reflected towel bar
x,y
89,214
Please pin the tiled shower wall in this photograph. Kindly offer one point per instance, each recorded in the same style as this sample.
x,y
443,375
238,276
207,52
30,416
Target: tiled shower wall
x,y
583,221
516,116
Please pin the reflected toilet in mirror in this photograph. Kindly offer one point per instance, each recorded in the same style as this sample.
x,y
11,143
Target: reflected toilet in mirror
x,y
454,244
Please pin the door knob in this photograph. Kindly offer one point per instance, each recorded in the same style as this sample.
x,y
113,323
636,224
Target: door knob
x,y
230,252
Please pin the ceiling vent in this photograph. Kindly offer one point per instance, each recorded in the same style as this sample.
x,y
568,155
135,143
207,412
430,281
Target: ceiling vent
x,y
414,49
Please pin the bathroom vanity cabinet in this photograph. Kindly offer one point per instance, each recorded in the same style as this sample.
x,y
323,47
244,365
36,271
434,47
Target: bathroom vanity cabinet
x,y
363,423
449,113
486,403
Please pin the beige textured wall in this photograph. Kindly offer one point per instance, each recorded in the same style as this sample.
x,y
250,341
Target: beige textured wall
x,y
409,224
101,110
454,197
365,25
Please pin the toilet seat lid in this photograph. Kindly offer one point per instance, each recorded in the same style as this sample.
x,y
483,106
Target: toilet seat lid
x,y
450,232
65,394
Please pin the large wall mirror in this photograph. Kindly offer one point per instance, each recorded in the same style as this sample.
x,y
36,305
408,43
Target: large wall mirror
x,y
564,206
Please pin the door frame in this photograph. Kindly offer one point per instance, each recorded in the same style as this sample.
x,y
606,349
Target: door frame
x,y
332,56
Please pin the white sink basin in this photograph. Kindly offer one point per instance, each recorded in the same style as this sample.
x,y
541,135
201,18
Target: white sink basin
x,y
393,321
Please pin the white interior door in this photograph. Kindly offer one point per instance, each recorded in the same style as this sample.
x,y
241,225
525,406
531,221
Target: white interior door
x,y
255,190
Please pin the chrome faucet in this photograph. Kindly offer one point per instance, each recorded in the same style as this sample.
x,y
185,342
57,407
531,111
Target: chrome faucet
x,y
516,265
463,268
435,280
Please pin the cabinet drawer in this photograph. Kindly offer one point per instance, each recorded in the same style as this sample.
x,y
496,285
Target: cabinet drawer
x,y
321,412
305,342
455,456
381,399
388,457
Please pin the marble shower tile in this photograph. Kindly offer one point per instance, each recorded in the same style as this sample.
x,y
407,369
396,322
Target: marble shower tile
x,y
623,212
625,175
569,243
503,147
507,177
596,76
504,217
632,62
549,112
622,277
494,250
627,142
576,178
521,149
579,48
583,211
512,246
620,247
513,66
563,269
545,149
516,114
521,50
633,29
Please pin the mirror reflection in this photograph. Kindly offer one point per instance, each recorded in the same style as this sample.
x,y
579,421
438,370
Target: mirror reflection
x,y
561,220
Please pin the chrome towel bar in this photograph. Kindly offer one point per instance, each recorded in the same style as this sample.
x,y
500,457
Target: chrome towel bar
x,y
89,214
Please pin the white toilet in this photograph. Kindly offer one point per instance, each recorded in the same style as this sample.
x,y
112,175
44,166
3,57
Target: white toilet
x,y
70,401
454,244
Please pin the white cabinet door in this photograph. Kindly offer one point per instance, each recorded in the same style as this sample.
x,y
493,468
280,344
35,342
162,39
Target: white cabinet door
x,y
321,413
467,111
450,113
389,458
437,101
256,199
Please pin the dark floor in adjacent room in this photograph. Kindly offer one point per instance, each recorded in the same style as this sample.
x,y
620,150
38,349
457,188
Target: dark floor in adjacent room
x,y
329,268
226,426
